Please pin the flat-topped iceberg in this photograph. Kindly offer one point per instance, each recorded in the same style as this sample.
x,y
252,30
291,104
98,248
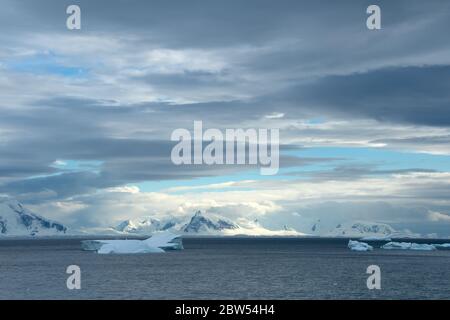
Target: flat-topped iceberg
x,y
359,246
408,246
397,246
127,246
443,246
422,247
158,243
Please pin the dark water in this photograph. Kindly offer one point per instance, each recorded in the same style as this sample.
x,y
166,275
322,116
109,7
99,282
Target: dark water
x,y
214,268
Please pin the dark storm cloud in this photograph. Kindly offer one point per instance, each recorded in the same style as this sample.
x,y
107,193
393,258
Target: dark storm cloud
x,y
217,23
418,95
186,23
61,186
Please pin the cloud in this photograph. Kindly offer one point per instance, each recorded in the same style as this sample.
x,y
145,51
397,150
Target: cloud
x,y
437,216
275,115
386,94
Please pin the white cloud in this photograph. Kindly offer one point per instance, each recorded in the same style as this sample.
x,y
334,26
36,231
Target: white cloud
x,y
438,216
275,115
124,189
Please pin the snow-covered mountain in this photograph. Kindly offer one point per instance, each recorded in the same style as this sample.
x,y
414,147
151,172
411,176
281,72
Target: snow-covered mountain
x,y
201,224
212,224
145,226
357,229
16,220
317,228
362,229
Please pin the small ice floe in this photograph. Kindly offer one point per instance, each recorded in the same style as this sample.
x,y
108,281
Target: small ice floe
x,y
408,246
158,243
359,246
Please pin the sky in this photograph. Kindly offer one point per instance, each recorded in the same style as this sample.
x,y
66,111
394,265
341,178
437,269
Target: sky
x,y
364,115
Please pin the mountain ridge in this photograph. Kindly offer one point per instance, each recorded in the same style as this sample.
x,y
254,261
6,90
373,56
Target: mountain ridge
x,y
16,220
203,224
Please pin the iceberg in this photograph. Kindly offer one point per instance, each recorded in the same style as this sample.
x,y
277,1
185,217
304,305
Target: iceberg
x,y
359,246
408,246
127,246
443,246
422,247
158,243
397,246
165,240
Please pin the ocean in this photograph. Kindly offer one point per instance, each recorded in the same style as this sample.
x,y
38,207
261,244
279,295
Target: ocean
x,y
222,268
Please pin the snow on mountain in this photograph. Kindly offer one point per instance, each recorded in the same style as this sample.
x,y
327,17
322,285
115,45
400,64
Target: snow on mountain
x,y
212,224
144,226
254,228
362,229
365,230
16,220
317,228
206,225
201,224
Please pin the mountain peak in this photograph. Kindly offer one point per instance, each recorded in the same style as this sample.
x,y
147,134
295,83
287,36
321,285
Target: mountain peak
x,y
198,213
199,223
287,228
126,225
353,229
